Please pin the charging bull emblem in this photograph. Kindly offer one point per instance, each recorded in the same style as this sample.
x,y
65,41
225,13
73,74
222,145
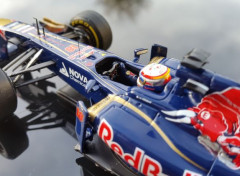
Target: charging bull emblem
x,y
217,118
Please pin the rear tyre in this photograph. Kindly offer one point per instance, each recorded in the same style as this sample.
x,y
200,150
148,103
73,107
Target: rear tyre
x,y
97,28
8,98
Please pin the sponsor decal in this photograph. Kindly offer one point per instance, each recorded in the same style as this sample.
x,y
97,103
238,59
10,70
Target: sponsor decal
x,y
71,48
217,118
51,40
139,160
88,63
190,173
63,70
78,77
82,53
79,114
87,55
74,75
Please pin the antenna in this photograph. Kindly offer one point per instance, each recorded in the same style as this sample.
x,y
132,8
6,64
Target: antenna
x,y
43,32
37,26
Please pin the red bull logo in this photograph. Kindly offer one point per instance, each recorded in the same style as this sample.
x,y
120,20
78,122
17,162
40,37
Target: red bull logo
x,y
139,160
217,118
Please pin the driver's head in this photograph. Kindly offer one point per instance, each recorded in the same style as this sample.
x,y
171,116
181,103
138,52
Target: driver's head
x,y
154,77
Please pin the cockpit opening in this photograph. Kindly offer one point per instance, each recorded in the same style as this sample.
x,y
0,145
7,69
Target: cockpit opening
x,y
117,70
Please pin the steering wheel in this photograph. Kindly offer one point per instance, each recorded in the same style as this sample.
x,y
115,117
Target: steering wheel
x,y
113,71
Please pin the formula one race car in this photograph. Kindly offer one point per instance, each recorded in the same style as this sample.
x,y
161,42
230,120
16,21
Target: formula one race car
x,y
169,117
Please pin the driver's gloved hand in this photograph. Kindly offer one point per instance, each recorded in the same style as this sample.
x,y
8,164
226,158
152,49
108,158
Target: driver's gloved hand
x,y
122,69
129,77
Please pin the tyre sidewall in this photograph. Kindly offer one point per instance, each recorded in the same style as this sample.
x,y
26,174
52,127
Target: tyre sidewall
x,y
8,98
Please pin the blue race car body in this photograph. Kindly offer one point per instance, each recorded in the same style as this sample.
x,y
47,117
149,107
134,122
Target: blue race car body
x,y
142,127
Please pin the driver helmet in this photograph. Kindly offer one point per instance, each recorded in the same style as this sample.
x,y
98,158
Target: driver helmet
x,y
154,77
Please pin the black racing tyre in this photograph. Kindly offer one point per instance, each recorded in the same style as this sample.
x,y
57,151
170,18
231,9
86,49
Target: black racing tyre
x,y
95,26
13,138
8,98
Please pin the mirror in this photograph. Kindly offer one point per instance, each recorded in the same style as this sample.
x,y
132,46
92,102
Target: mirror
x,y
138,52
